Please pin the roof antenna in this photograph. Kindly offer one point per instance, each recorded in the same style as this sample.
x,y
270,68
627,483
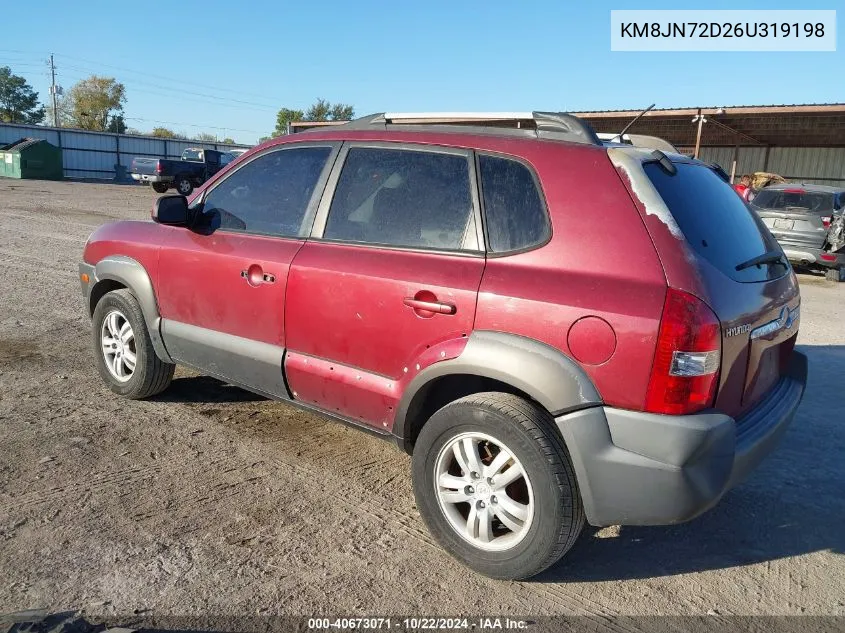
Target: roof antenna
x,y
628,127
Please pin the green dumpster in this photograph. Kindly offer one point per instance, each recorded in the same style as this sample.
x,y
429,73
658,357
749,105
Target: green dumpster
x,y
31,158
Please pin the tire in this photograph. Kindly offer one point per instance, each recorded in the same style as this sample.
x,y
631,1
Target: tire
x,y
159,187
184,185
834,274
549,490
149,375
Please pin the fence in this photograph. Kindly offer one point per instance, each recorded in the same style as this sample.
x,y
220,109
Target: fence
x,y
96,154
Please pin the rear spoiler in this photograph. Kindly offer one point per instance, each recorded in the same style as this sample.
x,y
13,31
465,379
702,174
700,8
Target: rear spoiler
x,y
639,140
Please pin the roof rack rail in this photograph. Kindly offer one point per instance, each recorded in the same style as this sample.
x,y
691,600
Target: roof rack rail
x,y
546,125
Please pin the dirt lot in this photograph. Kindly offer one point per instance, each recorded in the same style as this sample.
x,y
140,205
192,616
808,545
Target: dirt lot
x,y
209,500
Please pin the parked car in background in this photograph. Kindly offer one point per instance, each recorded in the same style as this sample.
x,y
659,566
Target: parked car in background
x,y
447,288
195,167
808,222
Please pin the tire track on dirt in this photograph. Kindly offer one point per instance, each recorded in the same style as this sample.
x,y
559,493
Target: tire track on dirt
x,y
381,509
90,483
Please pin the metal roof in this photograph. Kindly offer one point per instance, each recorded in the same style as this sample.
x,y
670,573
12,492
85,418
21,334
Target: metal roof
x,y
797,125
794,125
746,109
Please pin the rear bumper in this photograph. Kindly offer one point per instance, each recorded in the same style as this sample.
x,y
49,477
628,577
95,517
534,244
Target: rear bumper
x,y
636,468
814,256
149,178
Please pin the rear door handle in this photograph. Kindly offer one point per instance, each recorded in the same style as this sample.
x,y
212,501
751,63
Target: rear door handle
x,y
430,306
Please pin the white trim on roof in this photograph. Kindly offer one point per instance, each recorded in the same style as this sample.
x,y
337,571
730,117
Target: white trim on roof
x,y
459,116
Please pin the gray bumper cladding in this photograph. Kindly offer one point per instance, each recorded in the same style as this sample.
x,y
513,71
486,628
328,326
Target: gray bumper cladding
x,y
638,468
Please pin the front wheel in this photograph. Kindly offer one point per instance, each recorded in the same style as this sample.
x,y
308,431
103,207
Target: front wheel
x,y
495,485
125,356
184,185
159,187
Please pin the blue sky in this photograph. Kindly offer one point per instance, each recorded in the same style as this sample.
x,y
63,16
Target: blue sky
x,y
254,57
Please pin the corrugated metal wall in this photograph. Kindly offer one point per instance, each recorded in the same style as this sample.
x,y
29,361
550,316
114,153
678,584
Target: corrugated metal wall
x,y
821,165
95,154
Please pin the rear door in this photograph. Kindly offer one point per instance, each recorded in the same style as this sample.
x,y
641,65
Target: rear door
x,y
757,305
222,284
392,271
796,216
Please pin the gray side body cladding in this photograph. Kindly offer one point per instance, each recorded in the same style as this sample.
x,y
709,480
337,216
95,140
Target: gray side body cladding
x,y
133,275
547,375
252,364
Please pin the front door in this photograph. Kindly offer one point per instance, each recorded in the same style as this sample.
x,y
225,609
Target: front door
x,y
393,271
222,282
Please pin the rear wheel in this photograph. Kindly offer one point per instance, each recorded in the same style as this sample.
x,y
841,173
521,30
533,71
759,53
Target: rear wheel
x,y
159,187
495,485
125,356
184,185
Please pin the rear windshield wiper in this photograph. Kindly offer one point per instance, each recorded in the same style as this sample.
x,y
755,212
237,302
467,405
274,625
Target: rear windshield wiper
x,y
771,257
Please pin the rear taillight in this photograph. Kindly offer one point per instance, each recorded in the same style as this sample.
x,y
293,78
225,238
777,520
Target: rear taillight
x,y
685,371
158,168
826,222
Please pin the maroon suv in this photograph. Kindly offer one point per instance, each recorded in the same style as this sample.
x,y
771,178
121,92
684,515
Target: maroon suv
x,y
557,330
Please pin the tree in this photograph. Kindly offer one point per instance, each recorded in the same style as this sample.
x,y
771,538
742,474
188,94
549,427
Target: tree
x,y
320,110
18,101
205,137
228,141
163,132
117,124
284,117
93,102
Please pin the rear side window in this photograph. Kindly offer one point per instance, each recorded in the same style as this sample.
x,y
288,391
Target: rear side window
x,y
401,197
716,222
268,195
515,214
795,199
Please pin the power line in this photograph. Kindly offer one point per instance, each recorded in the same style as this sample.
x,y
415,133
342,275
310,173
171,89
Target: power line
x,y
208,127
147,74
183,91
180,97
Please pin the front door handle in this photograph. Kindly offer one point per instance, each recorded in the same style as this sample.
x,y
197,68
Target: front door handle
x,y
255,276
429,306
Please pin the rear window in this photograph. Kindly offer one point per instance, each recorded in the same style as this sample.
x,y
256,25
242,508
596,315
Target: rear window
x,y
716,222
798,200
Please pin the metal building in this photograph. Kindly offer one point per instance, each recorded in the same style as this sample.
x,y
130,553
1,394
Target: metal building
x,y
102,155
802,143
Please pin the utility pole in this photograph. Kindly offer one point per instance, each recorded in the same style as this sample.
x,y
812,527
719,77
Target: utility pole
x,y
54,93
698,118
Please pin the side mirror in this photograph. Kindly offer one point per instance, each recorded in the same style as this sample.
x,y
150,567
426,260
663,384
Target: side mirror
x,y
172,210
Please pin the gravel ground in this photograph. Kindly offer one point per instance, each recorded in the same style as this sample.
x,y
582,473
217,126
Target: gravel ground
x,y
211,501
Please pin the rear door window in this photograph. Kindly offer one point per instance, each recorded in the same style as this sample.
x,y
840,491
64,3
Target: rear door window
x,y
402,197
515,215
715,221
